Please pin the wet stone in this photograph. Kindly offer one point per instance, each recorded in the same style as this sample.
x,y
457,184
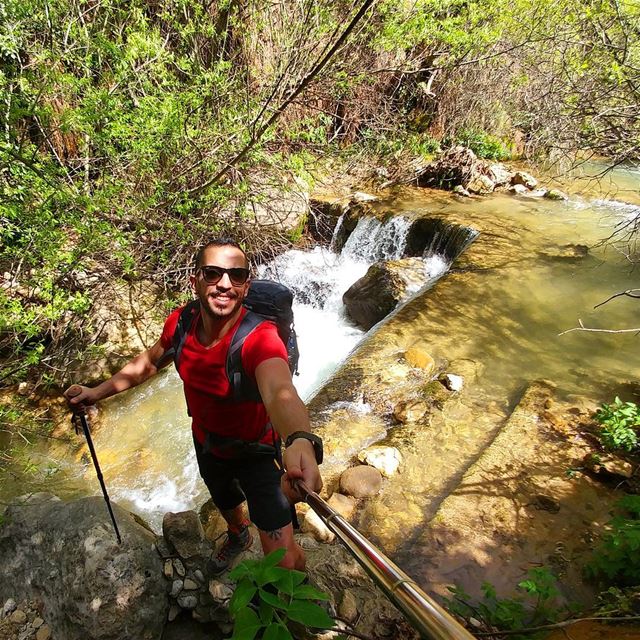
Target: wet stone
x,y
176,588
190,585
179,567
43,633
18,616
188,601
361,482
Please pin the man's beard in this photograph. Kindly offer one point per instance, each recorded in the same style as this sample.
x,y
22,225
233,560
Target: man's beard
x,y
215,313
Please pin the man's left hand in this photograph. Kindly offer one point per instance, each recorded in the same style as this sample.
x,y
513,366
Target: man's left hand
x,y
300,464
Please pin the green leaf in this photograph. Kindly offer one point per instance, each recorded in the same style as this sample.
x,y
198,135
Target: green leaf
x,y
273,600
310,614
307,592
272,559
246,625
277,631
265,611
242,596
287,579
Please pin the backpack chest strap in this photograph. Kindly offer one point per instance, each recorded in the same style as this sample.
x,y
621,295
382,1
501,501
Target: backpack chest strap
x,y
243,388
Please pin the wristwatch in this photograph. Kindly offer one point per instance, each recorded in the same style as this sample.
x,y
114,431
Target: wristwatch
x,y
315,440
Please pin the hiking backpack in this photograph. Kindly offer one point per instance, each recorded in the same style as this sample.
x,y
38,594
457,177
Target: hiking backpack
x,y
266,300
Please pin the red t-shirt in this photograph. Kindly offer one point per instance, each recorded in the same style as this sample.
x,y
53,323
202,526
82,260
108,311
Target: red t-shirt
x,y
207,389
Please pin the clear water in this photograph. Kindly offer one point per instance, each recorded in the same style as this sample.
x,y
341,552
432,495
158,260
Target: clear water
x,y
509,324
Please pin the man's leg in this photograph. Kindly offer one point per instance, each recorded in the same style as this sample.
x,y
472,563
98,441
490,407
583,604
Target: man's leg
x,y
283,539
270,510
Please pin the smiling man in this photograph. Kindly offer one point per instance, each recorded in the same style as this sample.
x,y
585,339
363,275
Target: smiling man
x,y
237,442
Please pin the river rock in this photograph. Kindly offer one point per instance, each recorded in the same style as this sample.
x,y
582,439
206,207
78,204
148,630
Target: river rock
x,y
608,465
555,194
344,505
184,531
500,174
219,591
517,189
385,459
456,166
525,179
361,482
313,525
451,381
566,252
66,555
480,184
461,191
379,291
407,411
417,357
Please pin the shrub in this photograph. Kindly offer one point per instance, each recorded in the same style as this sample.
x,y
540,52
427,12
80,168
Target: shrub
x,y
619,421
617,557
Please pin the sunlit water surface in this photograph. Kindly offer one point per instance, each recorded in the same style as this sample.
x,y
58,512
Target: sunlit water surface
x,y
508,327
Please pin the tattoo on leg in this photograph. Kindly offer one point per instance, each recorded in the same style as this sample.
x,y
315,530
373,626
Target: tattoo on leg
x,y
276,534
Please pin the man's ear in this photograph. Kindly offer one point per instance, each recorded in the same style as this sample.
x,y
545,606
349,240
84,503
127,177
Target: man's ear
x,y
192,282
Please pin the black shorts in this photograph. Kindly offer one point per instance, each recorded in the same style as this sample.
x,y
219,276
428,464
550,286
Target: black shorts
x,y
256,480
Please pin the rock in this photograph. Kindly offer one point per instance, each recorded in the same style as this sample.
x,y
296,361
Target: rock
x,y
608,465
381,289
480,184
176,588
348,606
360,196
174,610
419,358
361,482
168,569
199,576
37,623
66,555
566,252
344,505
385,459
314,525
43,633
188,601
500,174
456,166
451,381
407,411
537,193
219,591
9,607
555,194
18,616
517,189
525,179
190,585
184,532
24,389
461,191
179,567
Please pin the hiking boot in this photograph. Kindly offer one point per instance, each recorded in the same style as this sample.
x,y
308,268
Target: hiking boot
x,y
233,546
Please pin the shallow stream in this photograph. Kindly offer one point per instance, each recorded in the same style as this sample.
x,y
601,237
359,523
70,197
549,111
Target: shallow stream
x,y
503,326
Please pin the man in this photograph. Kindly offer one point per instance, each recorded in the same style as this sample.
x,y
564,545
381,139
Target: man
x,y
221,282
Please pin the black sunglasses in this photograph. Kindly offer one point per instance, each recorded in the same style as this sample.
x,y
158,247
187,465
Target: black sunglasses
x,y
213,274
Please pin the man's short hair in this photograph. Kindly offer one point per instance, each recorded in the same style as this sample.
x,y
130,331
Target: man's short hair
x,y
218,242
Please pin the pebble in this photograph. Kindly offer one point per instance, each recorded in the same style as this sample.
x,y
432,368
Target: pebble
x,y
179,567
168,569
43,633
37,623
9,607
190,584
176,588
18,616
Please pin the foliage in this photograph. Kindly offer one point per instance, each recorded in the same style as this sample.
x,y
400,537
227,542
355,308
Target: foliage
x,y
617,557
483,144
619,421
534,608
618,602
268,597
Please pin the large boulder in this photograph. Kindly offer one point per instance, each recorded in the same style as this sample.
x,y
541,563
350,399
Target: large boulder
x,y
66,556
458,166
379,291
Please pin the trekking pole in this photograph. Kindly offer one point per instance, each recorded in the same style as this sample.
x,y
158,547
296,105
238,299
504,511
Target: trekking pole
x,y
80,414
426,615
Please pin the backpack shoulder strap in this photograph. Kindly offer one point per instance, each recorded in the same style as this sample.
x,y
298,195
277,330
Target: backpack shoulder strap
x,y
243,387
185,321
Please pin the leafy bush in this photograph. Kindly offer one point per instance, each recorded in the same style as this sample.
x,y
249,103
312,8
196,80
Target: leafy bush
x,y
619,421
483,144
617,558
511,613
268,597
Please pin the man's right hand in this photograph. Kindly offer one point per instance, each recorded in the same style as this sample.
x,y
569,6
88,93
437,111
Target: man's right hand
x,y
79,397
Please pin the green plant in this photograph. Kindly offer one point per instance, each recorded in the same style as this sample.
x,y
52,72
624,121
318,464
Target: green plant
x,y
534,608
268,597
483,144
619,421
617,557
